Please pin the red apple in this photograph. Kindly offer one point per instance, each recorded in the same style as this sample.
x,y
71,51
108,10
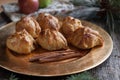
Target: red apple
x,y
28,6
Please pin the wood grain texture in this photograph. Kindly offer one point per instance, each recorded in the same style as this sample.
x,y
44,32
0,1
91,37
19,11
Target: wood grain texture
x,y
110,69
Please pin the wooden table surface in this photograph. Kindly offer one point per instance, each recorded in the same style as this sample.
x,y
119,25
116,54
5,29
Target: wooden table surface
x,y
109,70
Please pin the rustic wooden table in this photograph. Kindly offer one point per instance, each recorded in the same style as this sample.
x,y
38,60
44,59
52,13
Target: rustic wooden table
x,y
109,70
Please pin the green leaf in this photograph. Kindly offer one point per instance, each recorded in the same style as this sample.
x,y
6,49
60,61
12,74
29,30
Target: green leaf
x,y
82,76
110,21
114,3
13,77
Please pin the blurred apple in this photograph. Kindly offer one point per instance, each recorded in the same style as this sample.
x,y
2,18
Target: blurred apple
x,y
28,6
44,3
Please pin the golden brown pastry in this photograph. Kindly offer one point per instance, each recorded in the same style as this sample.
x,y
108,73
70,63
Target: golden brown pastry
x,y
21,42
30,25
69,25
47,21
85,38
52,40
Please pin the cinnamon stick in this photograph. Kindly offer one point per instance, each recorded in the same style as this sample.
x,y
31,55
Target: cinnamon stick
x,y
58,56
36,58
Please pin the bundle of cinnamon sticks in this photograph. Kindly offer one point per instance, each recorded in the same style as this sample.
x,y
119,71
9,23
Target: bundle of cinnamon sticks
x,y
58,56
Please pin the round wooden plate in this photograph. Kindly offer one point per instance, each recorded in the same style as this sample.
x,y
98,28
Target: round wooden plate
x,y
20,65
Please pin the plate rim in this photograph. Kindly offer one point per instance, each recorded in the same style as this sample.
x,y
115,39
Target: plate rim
x,y
100,62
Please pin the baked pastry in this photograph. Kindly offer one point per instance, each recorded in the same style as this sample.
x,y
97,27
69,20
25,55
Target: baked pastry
x,y
47,21
52,40
30,25
85,38
69,25
21,42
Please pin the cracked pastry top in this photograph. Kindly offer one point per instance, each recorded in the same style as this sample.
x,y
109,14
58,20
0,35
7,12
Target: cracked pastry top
x,y
47,21
85,38
69,25
30,25
21,42
52,40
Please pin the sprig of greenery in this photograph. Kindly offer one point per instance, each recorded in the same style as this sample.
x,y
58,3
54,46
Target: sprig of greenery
x,y
112,13
82,76
110,10
13,77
